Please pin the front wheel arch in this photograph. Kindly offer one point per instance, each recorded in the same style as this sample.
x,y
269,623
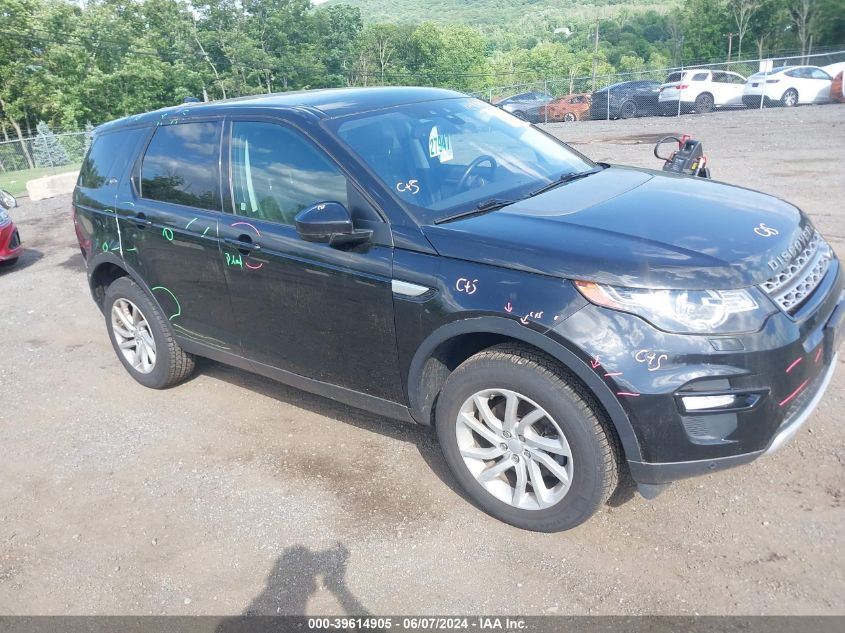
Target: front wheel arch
x,y
457,341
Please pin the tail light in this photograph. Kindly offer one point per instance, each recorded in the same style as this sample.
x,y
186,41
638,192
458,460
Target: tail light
x,y
683,86
772,81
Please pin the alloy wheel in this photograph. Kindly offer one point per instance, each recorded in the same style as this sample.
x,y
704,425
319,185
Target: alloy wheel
x,y
790,99
133,335
514,449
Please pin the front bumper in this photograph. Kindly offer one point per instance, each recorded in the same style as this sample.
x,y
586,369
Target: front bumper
x,y
779,374
656,474
10,242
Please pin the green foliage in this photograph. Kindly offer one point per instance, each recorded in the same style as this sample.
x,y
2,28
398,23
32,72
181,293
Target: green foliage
x,y
46,149
67,63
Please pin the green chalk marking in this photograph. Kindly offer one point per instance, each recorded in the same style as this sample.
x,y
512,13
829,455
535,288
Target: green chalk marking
x,y
168,234
234,260
190,223
206,230
178,307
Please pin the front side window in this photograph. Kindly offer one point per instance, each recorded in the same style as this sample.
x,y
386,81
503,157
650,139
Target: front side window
x,y
277,172
447,156
818,73
181,165
700,77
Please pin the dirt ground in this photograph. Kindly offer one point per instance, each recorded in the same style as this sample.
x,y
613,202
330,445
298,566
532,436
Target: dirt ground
x,y
231,493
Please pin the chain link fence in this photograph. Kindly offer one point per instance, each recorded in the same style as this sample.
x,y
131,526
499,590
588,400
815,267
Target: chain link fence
x,y
697,88
40,152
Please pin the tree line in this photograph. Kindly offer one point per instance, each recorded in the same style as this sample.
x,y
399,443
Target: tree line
x,y
70,63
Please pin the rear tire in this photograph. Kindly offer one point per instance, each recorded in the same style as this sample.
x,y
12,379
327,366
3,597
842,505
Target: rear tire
x,y
704,103
140,333
519,114
789,98
577,450
628,110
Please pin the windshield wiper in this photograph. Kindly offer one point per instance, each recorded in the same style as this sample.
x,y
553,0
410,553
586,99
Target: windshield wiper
x,y
482,207
565,178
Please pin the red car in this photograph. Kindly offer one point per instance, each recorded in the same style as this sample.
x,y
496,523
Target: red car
x,y
10,241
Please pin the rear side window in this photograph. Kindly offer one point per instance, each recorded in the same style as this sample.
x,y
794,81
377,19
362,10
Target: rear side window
x,y
181,165
108,157
699,77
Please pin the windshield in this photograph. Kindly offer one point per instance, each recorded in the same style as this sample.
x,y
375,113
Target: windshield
x,y
445,157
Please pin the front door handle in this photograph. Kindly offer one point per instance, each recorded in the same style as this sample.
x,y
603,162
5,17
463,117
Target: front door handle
x,y
243,243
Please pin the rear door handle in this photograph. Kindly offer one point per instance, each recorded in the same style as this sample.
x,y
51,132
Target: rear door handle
x,y
141,220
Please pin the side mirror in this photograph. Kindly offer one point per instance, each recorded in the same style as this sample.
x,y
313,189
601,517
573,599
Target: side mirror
x,y
329,222
7,200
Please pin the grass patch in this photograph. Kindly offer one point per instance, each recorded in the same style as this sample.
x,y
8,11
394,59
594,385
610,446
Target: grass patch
x,y
15,181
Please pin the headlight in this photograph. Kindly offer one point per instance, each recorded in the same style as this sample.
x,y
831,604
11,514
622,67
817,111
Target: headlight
x,y
684,311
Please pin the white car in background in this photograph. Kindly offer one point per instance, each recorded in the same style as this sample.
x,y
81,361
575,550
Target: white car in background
x,y
788,86
700,90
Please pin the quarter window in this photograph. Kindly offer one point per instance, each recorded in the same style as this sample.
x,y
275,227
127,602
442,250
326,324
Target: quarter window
x,y
181,165
277,172
108,156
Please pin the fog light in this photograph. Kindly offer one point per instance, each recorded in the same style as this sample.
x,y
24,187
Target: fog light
x,y
698,403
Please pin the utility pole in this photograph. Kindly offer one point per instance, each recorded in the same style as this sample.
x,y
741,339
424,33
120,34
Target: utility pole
x,y
730,46
596,56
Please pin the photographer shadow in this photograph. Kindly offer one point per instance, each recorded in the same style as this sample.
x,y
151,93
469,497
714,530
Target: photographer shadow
x,y
293,581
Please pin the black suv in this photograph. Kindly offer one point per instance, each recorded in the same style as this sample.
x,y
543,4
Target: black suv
x,y
426,256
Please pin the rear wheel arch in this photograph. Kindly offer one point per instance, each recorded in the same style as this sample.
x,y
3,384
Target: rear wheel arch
x,y
452,344
104,269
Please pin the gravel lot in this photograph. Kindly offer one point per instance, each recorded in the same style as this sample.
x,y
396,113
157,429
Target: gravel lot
x,y
231,493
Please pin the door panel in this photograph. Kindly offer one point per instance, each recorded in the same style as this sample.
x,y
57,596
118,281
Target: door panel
x,y
170,231
321,312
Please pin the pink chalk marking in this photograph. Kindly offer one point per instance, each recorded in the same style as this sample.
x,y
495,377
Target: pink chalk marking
x,y
794,363
251,267
818,354
616,373
794,393
596,362
627,393
509,307
257,232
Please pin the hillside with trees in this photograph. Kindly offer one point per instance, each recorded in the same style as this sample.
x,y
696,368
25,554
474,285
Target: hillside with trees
x,y
68,63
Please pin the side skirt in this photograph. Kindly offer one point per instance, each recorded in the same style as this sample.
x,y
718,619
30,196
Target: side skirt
x,y
353,398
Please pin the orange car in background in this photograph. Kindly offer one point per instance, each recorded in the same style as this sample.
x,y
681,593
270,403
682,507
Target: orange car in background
x,y
574,107
837,88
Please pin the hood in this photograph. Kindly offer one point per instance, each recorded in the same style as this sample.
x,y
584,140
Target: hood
x,y
635,228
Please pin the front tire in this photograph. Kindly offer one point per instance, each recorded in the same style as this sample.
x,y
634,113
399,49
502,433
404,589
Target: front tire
x,y
525,440
569,117
141,337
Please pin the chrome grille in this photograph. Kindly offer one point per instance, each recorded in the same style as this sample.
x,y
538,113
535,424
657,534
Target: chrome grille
x,y
791,286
